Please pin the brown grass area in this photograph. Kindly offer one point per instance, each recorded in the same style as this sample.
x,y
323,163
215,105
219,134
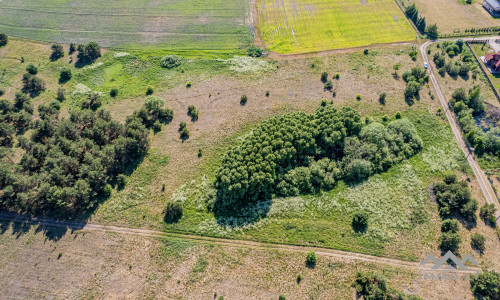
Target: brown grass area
x,y
451,15
96,265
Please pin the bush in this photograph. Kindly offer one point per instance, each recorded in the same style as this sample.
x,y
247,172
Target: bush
x,y
454,197
487,212
32,84
32,69
311,259
121,181
170,61
478,241
89,53
254,51
173,211
2,91
412,89
366,51
113,92
57,52
243,99
193,113
60,95
282,297
107,190
360,221
267,93
413,55
65,75
358,97
3,39
449,225
450,241
372,285
189,84
381,98
337,76
328,85
486,286
93,102
324,77
149,91
72,48
450,178
398,115
442,71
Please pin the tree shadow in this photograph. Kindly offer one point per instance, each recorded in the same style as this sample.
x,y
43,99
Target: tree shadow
x,y
83,63
239,217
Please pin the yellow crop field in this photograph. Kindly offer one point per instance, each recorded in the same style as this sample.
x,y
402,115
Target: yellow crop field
x,y
300,26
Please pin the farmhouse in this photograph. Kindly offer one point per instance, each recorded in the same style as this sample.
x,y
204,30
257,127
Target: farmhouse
x,y
493,7
493,61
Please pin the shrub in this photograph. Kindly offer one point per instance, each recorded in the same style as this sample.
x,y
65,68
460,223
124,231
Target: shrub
x,y
173,211
113,92
149,91
32,84
450,241
32,69
60,95
454,70
412,89
454,197
413,55
360,221
324,77
337,76
188,84
381,98
65,75
107,190
170,61
282,297
311,259
328,85
442,71
449,225
299,278
3,39
121,181
243,99
366,51
358,97
193,113
486,286
487,212
2,91
267,93
72,48
200,153
182,125
92,102
478,241
450,178
398,115
57,52
254,51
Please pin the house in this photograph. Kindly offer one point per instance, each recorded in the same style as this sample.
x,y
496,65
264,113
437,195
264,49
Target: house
x,y
492,60
493,7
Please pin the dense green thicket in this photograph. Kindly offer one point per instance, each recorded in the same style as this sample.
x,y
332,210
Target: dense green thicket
x,y
374,286
486,286
454,68
170,61
467,106
304,153
68,164
455,197
89,53
415,79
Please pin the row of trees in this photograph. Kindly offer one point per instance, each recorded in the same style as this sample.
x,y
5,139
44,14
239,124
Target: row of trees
x,y
431,31
304,153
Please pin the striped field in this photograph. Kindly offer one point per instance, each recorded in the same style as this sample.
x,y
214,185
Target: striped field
x,y
300,26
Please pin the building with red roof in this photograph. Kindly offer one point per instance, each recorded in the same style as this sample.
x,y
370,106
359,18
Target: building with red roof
x,y
493,61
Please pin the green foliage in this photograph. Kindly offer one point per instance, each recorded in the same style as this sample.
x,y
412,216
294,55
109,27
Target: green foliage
x,y
413,54
487,212
3,39
154,111
121,181
478,241
486,286
113,92
432,32
450,241
455,197
450,225
324,77
243,99
366,52
32,84
149,91
373,286
414,78
72,48
304,153
173,211
89,53
328,85
92,102
311,258
360,221
60,95
358,97
65,75
381,98
57,52
193,113
170,61
282,297
32,69
254,51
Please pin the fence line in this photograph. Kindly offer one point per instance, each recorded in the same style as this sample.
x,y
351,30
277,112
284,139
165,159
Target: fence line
x,y
483,68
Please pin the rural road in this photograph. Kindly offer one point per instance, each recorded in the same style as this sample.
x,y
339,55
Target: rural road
x,y
484,184
344,255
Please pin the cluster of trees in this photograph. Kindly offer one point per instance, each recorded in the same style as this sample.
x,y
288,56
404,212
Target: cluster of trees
x,y
303,153
415,79
68,164
454,68
467,105
454,197
14,118
431,31
153,113
486,285
450,237
88,53
193,113
3,39
374,286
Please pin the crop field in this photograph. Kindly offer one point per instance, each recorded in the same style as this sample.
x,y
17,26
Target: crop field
x,y
174,25
314,25
452,15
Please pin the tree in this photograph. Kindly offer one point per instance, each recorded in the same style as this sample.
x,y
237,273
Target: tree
x,y
311,259
170,61
173,211
324,77
3,39
243,99
254,51
72,48
32,69
65,75
449,225
478,241
32,84
450,241
57,52
89,53
421,24
412,89
360,221
487,285
396,67
432,32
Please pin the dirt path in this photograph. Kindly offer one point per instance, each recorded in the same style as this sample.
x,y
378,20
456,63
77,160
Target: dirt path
x,y
484,184
348,256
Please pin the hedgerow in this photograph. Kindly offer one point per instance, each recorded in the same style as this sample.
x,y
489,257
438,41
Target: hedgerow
x,y
303,153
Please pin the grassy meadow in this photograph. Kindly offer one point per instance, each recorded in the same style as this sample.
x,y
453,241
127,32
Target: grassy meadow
x,y
208,25
315,25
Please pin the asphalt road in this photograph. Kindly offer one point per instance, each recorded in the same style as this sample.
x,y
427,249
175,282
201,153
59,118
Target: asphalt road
x,y
484,184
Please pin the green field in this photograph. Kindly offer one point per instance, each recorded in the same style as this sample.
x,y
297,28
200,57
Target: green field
x,y
176,25
314,25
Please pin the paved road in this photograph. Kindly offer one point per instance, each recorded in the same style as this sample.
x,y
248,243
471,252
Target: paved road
x,y
484,184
